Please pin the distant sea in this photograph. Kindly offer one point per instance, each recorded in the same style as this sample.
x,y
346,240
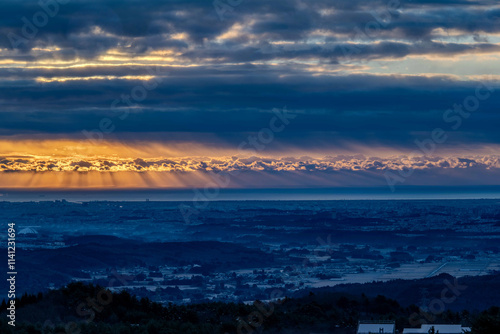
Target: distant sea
x,y
316,194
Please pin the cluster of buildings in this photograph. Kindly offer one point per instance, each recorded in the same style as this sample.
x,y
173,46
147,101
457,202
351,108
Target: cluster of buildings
x,y
390,328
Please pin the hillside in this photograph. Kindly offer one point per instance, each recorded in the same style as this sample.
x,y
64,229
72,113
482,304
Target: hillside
x,y
86,253
89,309
470,292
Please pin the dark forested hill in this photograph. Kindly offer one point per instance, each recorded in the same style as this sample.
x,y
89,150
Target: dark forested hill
x,y
470,292
89,309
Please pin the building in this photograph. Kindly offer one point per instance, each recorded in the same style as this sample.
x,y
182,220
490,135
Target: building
x,y
376,327
441,329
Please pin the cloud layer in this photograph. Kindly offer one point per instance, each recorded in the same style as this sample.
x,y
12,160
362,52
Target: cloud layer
x,y
358,75
236,164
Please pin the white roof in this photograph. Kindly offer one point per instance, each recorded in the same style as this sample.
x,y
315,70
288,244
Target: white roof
x,y
443,329
375,328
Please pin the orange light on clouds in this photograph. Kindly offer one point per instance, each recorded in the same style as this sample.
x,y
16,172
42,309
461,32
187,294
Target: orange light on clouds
x,y
59,148
73,164
99,180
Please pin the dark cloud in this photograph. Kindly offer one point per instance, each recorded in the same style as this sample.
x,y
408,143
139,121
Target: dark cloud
x,y
228,86
362,108
136,27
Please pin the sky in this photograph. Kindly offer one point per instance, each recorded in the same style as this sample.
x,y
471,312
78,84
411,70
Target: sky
x,y
244,94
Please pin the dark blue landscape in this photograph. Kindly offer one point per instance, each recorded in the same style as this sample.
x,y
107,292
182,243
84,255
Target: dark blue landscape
x,y
250,166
